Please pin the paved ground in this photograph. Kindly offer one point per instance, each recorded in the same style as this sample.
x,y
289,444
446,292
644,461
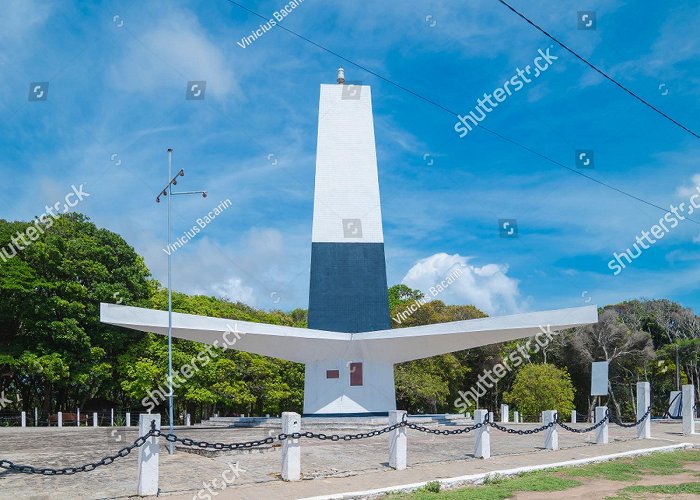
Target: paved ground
x,y
327,467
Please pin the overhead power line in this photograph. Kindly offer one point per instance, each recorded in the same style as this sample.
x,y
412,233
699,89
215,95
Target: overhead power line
x,y
455,114
598,70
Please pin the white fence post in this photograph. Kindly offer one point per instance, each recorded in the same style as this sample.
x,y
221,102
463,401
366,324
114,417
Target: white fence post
x,y
128,419
111,418
573,416
551,437
397,441
688,409
24,419
601,435
188,419
36,417
643,403
504,414
291,450
94,419
148,456
516,417
59,419
78,416
482,445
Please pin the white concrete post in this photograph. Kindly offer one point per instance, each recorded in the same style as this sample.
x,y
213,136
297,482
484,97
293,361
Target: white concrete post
x,y
59,419
148,456
128,419
291,450
482,445
643,402
78,416
491,416
516,417
688,410
551,437
601,435
573,416
397,441
94,419
468,416
36,417
504,414
111,418
24,419
188,420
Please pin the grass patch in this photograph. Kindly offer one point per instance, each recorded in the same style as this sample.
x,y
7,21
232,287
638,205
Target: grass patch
x,y
499,488
668,489
631,469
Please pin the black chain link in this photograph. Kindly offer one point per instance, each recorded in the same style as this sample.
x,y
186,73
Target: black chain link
x,y
587,429
616,421
523,432
28,469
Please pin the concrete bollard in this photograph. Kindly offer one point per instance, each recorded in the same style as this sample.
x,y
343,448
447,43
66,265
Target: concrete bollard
x,y
77,413
111,418
504,414
36,417
397,441
516,417
24,419
468,415
688,410
94,419
188,420
491,417
643,402
148,456
573,416
59,419
482,445
551,436
291,450
128,419
601,434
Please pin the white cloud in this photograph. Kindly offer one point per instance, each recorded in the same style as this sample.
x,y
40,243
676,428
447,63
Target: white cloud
x,y
176,46
688,191
487,287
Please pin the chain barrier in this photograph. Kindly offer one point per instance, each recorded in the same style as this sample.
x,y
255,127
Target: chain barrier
x,y
523,432
616,421
587,429
28,469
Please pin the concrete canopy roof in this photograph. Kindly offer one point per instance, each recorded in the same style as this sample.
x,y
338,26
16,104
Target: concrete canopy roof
x,y
304,345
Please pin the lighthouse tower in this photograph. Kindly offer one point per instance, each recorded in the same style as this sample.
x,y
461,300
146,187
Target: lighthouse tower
x,y
348,289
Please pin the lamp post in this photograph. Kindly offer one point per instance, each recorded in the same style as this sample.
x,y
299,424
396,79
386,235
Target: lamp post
x,y
168,190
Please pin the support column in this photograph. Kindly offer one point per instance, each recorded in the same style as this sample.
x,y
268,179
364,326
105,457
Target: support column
x,y
188,420
77,413
148,456
504,414
94,419
688,410
643,402
551,437
24,419
397,441
128,419
573,416
482,445
291,451
601,435
36,417
59,419
516,417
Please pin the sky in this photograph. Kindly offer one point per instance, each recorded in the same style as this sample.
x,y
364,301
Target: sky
x,y
116,99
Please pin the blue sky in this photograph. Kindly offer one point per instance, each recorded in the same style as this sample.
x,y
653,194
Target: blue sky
x,y
118,72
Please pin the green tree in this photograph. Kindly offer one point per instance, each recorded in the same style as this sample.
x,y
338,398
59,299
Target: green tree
x,y
539,387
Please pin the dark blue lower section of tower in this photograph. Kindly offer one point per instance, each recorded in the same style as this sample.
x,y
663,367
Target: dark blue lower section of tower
x,y
348,291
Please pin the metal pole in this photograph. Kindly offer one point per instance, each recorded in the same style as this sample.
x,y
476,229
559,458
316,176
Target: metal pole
x,y
171,445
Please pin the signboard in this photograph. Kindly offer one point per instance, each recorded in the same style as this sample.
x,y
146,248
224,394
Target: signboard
x,y
599,378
